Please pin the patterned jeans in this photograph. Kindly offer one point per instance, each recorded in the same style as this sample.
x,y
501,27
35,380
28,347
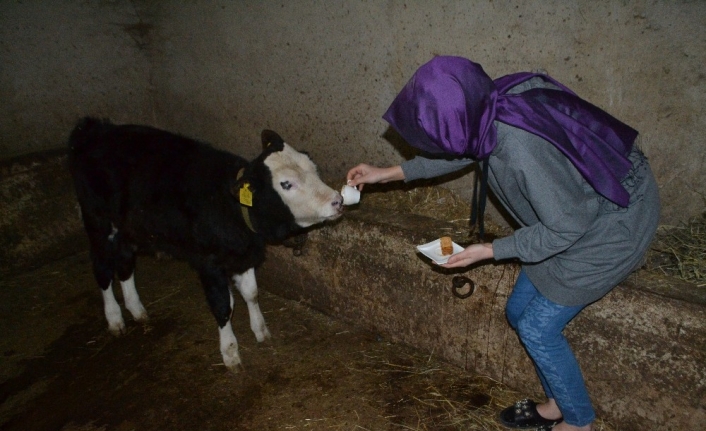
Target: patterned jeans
x,y
539,323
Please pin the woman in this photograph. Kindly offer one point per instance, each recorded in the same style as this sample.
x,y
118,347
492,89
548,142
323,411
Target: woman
x,y
583,195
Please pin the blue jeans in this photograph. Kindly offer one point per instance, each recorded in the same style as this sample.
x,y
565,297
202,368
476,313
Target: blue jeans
x,y
539,323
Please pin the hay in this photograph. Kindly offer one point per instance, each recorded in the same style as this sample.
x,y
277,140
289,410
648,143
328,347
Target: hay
x,y
433,397
680,251
435,202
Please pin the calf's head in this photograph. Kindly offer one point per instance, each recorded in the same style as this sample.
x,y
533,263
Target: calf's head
x,y
286,190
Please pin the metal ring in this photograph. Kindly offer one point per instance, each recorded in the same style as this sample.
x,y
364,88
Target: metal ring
x,y
296,243
458,282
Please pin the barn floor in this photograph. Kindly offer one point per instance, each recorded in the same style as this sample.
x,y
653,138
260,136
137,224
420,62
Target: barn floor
x,y
61,370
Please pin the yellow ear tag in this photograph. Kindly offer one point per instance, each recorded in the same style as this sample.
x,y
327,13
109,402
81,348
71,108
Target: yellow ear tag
x,y
246,195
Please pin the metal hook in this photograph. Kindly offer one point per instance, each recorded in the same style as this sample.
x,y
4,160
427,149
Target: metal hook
x,y
458,282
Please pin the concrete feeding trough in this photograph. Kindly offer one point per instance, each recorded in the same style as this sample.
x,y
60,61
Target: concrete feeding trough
x,y
642,348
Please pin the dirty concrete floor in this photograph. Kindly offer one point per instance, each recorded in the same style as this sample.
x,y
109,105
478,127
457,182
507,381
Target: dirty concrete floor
x,y
60,369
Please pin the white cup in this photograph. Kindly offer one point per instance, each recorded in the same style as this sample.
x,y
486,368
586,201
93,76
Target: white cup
x,y
351,195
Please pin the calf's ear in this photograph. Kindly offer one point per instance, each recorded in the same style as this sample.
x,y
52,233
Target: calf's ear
x,y
271,141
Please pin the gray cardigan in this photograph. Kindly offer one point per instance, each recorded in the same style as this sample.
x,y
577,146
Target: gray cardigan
x,y
574,244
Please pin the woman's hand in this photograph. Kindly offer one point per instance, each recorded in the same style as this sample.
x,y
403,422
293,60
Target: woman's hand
x,y
366,174
470,255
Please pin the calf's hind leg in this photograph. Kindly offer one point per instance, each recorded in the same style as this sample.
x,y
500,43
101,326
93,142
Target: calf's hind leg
x,y
125,258
247,286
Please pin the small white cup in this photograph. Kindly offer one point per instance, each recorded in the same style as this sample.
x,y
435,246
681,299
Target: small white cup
x,y
351,195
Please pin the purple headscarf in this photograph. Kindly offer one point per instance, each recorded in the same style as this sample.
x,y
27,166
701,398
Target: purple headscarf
x,y
450,104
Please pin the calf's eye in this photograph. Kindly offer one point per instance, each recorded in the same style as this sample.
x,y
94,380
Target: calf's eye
x,y
286,185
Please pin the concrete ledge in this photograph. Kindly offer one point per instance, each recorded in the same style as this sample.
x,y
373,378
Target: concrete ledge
x,y
39,215
642,350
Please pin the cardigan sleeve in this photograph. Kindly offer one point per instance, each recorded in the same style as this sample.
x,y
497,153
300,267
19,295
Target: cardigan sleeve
x,y
422,167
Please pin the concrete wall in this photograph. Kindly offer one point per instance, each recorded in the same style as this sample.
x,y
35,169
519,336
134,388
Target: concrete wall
x,y
60,60
322,72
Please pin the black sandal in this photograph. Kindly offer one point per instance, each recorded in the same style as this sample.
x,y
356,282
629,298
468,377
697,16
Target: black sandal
x,y
524,415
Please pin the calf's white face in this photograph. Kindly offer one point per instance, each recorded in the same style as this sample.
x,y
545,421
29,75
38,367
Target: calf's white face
x,y
296,180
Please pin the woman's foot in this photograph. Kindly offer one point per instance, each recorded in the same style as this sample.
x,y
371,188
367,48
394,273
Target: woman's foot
x,y
563,426
524,415
550,410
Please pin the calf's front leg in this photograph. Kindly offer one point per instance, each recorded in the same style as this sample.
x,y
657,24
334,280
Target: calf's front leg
x,y
247,286
215,284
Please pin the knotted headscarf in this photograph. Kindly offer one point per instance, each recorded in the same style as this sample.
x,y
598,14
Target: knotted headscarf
x,y
449,106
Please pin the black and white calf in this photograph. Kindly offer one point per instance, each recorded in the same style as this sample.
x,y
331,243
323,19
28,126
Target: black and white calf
x,y
141,188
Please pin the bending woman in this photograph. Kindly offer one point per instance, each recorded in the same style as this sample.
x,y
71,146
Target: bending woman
x,y
569,174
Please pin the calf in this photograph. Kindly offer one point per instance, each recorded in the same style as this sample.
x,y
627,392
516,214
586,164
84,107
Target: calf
x,y
141,188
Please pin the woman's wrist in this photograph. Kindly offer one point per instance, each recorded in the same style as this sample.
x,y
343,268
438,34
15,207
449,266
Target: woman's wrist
x,y
489,251
394,173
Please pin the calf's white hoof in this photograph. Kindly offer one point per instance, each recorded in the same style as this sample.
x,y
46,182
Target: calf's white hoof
x,y
229,348
262,334
231,359
140,316
117,328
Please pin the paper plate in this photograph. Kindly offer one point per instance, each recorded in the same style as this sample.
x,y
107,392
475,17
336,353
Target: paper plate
x,y
432,250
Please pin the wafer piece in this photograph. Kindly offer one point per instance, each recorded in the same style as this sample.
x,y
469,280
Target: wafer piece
x,y
447,247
